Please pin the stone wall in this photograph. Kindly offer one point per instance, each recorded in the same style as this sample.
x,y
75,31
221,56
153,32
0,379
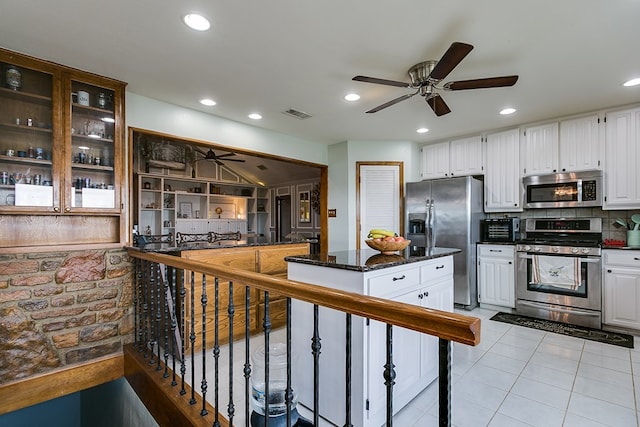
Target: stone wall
x,y
62,308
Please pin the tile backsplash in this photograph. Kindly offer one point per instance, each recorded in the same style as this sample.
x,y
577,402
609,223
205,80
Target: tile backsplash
x,y
609,230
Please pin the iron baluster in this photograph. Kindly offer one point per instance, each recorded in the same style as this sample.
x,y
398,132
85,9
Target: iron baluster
x,y
166,320
216,349
136,301
145,307
347,422
231,310
203,381
444,382
158,289
183,296
267,337
247,349
174,326
152,304
289,392
192,336
389,375
315,351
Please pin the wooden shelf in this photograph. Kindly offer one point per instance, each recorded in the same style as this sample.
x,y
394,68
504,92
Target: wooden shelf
x,y
21,95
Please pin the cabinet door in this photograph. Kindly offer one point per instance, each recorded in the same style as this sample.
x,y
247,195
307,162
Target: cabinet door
x,y
466,157
622,160
435,161
27,137
496,281
580,144
622,297
95,153
540,150
502,184
438,296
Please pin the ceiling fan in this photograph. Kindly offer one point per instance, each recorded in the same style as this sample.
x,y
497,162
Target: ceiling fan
x,y
218,158
426,76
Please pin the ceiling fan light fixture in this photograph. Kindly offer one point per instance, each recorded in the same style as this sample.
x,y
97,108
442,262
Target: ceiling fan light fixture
x,y
351,97
197,22
255,116
422,130
632,82
208,102
507,111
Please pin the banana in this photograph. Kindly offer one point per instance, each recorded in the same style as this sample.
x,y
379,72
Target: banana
x,y
375,236
381,232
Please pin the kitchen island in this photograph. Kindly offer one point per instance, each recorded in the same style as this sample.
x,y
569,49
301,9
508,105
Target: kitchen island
x,y
422,277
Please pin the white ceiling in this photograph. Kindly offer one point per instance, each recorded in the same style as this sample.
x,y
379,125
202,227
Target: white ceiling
x,y
268,56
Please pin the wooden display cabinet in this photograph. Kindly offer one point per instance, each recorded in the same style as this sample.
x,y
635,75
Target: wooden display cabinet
x,y
61,158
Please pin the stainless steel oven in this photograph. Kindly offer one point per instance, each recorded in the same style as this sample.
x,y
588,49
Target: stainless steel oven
x,y
559,271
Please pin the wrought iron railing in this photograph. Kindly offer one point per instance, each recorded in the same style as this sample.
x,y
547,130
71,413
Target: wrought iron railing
x,y
167,286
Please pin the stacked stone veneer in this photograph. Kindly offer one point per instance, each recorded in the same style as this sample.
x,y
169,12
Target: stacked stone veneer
x,y
62,308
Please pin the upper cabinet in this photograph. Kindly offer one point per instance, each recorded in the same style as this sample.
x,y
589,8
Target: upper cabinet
x,y
502,183
539,152
622,157
569,146
61,153
460,157
581,144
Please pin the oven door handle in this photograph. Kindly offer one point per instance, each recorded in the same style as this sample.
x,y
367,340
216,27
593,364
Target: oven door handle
x,y
559,310
527,256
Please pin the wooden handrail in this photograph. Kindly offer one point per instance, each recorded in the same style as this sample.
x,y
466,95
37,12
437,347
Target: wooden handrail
x,y
449,326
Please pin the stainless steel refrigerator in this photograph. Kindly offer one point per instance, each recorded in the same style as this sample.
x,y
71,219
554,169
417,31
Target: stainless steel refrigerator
x,y
447,213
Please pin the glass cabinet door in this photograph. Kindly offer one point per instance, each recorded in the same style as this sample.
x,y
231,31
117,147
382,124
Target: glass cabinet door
x,y
26,139
92,183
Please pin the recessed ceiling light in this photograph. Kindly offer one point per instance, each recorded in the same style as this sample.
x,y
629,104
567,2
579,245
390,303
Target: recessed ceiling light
x,y
196,21
507,111
108,119
208,102
255,116
632,82
422,130
352,97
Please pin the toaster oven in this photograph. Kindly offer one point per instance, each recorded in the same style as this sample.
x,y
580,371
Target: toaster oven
x,y
500,229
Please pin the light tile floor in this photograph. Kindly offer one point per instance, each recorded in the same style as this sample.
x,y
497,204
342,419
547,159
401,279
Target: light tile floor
x,y
519,376
515,377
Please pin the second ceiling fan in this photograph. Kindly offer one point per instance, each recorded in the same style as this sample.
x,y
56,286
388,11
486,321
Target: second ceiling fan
x,y
218,158
426,76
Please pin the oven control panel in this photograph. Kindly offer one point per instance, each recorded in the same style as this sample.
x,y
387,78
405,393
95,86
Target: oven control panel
x,y
559,250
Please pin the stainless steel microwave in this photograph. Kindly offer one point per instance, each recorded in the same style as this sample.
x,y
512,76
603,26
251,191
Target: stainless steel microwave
x,y
563,190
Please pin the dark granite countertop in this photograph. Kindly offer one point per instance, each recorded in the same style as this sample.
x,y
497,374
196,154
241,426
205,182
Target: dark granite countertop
x,y
368,259
172,247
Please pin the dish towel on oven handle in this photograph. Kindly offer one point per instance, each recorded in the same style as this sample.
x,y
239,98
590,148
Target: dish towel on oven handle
x,y
561,272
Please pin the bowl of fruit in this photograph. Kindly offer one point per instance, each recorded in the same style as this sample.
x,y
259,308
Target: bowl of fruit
x,y
385,241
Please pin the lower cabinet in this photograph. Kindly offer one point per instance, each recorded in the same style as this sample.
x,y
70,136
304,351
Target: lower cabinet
x,y
415,356
496,275
268,259
621,295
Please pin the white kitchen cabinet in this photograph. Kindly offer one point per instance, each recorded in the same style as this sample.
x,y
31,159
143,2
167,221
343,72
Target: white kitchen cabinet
x,y
540,150
435,161
415,356
460,157
502,183
622,157
496,275
581,144
622,288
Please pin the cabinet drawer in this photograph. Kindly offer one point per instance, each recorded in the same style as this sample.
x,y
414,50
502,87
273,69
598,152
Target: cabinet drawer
x,y
624,258
389,283
436,269
502,251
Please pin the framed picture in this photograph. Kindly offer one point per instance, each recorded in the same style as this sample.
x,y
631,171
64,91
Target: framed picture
x,y
185,209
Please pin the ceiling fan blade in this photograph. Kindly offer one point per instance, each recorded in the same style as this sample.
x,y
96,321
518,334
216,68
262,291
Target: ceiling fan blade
x,y
452,57
380,81
488,82
438,105
233,160
392,102
225,155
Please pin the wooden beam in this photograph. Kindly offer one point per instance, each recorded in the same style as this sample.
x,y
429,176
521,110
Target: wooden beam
x,y
165,403
41,388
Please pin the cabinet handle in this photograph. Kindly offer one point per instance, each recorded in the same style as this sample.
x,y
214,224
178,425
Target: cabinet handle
x,y
608,271
420,296
67,209
636,258
438,267
495,250
426,294
56,209
398,278
510,262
